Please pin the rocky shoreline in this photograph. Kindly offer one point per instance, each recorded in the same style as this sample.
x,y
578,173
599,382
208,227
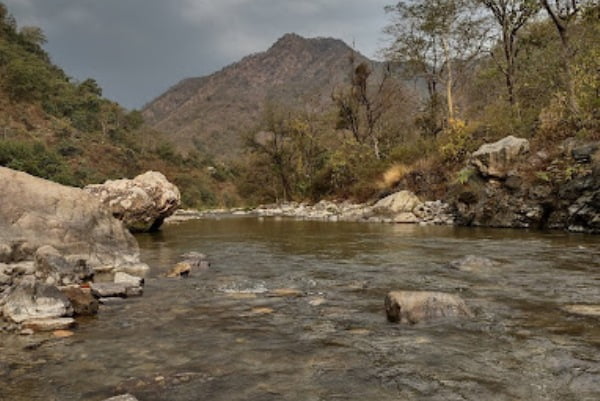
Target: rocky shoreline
x,y
499,189
401,208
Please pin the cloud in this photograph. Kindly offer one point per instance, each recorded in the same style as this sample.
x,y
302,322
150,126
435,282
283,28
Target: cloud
x,y
136,49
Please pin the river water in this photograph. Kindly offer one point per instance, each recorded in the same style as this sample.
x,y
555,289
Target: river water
x,y
228,334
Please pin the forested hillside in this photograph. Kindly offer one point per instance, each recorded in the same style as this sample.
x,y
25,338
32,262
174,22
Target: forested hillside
x,y
57,128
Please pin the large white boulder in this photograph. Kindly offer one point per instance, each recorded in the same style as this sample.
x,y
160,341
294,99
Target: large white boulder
x,y
498,159
142,203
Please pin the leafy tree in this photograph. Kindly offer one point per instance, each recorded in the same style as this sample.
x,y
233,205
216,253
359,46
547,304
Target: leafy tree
x,y
436,40
563,13
511,16
362,107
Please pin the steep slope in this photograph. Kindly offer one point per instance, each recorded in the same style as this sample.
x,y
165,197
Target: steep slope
x,y
211,113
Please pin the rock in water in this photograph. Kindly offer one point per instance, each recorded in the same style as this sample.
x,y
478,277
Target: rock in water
x,y
422,306
497,159
142,203
82,300
124,397
34,300
472,263
39,212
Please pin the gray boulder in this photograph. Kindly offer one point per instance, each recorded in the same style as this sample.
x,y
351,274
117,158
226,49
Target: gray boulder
x,y
34,300
36,212
142,203
498,159
413,307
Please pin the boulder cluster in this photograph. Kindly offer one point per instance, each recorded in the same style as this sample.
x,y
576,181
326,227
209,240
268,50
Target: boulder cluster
x,y
62,253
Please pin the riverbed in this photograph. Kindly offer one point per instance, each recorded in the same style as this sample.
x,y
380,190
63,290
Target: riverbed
x,y
293,310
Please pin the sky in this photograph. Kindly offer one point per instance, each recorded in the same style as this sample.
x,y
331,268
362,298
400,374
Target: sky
x,y
137,49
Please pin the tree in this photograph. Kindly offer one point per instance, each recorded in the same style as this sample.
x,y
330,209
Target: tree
x,y
511,16
361,108
436,40
563,13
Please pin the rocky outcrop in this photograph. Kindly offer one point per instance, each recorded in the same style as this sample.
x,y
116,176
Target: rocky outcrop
x,y
142,203
413,307
36,212
54,240
537,192
498,159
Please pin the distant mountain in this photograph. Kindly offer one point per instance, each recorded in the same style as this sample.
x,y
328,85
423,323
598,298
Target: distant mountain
x,y
212,112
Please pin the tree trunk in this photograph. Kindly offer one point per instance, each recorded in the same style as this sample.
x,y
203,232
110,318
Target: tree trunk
x,y
449,79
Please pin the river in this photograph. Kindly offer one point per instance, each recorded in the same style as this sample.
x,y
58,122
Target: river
x,y
227,334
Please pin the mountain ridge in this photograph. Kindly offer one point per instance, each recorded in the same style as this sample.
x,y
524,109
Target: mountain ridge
x,y
212,112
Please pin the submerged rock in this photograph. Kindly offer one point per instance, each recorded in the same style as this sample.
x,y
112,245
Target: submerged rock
x,y
142,203
413,307
472,263
110,290
124,397
192,261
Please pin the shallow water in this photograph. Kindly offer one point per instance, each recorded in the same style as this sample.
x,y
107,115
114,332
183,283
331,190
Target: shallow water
x,y
220,335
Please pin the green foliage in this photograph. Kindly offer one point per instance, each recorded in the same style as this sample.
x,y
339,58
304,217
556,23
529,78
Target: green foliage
x,y
34,158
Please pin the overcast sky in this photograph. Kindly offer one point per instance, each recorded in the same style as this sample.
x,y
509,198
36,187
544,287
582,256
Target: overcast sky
x,y
136,49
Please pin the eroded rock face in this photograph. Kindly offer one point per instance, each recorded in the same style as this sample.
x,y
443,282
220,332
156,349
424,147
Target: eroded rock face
x,y
37,212
497,159
142,203
413,307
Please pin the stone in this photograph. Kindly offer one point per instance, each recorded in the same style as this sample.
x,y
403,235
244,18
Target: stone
x,y
38,325
142,203
192,261
472,263
285,293
583,310
82,300
49,262
108,290
498,159
35,301
62,333
584,153
405,218
400,202
124,397
124,278
411,307
39,212
181,269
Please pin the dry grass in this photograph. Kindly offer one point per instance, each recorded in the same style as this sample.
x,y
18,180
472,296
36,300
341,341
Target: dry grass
x,y
393,175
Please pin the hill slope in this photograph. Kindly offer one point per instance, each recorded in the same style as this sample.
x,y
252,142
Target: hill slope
x,y
212,112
